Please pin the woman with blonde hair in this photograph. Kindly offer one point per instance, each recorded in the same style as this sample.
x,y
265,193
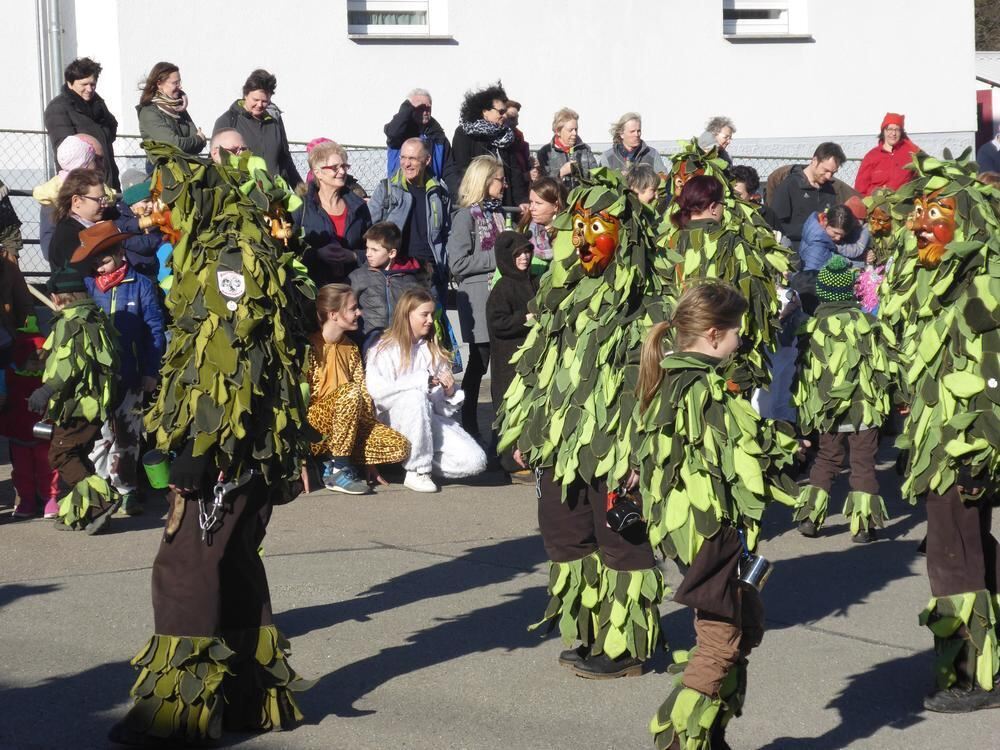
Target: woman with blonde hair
x,y
628,148
474,231
333,219
565,151
410,380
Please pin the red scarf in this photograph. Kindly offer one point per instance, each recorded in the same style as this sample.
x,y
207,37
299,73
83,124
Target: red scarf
x,y
111,279
557,142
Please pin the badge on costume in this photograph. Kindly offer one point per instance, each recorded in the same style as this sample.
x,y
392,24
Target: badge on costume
x,y
232,287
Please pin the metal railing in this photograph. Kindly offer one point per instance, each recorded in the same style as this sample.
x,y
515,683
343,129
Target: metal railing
x,y
23,165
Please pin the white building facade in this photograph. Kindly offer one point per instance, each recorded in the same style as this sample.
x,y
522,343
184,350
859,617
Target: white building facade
x,y
790,73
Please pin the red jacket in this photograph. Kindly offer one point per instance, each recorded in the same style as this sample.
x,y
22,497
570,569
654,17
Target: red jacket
x,y
881,168
16,419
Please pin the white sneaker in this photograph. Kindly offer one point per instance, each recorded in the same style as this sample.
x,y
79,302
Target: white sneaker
x,y
419,482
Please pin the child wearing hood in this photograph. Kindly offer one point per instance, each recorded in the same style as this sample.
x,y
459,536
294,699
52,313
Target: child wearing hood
x,y
508,317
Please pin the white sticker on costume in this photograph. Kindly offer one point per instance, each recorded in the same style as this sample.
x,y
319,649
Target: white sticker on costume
x,y
231,306
231,284
992,382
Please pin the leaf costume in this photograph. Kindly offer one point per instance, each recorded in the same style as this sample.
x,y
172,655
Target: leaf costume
x,y
569,406
234,396
947,296
886,216
81,368
847,372
708,466
742,251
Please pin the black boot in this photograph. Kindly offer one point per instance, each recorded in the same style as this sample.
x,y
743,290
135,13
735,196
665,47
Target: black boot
x,y
603,667
808,529
718,738
864,536
962,699
571,657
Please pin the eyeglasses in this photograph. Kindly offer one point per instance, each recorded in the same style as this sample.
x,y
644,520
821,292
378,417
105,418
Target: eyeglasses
x,y
337,167
102,201
498,111
234,150
501,180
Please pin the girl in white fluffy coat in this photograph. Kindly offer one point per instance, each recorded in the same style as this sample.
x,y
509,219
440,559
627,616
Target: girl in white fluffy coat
x,y
409,378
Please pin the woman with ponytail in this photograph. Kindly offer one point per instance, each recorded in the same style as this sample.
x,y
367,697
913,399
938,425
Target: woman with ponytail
x,y
707,465
706,246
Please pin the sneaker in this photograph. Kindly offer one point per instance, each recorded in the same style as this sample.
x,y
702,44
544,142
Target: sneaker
x,y
131,505
864,536
51,514
20,514
573,656
524,476
419,482
962,699
343,479
808,528
603,667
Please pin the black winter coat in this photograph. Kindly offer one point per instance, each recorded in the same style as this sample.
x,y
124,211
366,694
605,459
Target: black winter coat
x,y
465,148
266,138
65,240
68,114
506,319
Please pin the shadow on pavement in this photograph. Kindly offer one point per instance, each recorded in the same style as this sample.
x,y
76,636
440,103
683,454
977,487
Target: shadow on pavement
x,y
887,694
11,592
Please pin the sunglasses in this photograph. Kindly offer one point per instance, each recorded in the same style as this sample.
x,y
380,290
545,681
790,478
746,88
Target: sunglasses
x,y
102,201
337,167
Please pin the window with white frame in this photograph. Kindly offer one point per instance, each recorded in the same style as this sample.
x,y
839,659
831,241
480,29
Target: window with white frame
x,y
397,18
763,18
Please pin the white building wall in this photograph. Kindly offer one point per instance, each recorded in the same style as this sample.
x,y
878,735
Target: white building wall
x,y
665,58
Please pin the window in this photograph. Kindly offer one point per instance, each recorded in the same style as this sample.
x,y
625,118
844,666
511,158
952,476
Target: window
x,y
396,18
750,19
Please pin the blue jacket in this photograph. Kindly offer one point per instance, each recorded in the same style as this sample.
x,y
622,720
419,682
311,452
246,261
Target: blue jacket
x,y
141,249
988,157
135,312
401,127
816,247
328,257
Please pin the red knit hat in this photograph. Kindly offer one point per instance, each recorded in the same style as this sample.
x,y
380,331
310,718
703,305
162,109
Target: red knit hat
x,y
891,118
857,208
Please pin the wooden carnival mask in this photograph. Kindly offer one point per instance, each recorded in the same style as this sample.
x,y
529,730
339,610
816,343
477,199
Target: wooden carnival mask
x,y
879,222
683,175
595,237
933,222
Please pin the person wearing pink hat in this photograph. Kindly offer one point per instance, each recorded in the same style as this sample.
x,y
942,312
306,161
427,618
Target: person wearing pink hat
x,y
883,166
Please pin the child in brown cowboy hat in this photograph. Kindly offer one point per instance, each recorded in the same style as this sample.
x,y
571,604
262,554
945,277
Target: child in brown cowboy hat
x,y
130,300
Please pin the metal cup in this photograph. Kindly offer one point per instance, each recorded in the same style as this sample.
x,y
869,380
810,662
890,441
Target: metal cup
x,y
42,430
754,570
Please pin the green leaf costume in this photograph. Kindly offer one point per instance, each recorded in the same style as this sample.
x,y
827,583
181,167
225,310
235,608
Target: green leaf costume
x,y
846,377
705,456
951,343
742,251
574,389
240,303
573,395
81,366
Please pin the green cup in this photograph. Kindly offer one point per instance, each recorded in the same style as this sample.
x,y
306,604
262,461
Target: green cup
x,y
157,467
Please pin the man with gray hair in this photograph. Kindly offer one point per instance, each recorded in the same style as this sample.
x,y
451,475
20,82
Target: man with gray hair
x,y
413,120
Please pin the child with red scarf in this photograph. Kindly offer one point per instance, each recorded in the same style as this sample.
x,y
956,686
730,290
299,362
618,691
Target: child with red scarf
x,y
131,302
31,473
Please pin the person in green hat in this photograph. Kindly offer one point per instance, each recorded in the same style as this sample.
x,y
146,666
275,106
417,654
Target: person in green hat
x,y
78,395
135,204
846,375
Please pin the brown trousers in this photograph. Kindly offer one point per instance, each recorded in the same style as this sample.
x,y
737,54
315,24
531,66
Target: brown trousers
x,y
573,529
729,617
69,452
863,447
962,554
209,588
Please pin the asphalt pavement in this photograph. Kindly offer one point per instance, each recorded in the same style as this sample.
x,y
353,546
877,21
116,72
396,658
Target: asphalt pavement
x,y
411,612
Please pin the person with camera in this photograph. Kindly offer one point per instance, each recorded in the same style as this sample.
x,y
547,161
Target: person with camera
x,y
414,120
231,409
708,466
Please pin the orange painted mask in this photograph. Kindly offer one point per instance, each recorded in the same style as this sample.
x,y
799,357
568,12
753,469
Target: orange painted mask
x,y
879,222
683,175
933,223
595,237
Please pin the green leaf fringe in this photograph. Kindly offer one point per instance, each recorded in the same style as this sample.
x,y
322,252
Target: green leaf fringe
x,y
814,504
965,635
865,511
90,494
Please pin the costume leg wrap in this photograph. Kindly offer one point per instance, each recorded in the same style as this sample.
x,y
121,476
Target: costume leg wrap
x,y
814,504
691,718
574,588
89,497
260,684
178,694
965,633
628,617
865,510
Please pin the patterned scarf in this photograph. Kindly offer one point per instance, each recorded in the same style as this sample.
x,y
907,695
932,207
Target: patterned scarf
x,y
171,107
488,219
111,279
541,240
500,135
